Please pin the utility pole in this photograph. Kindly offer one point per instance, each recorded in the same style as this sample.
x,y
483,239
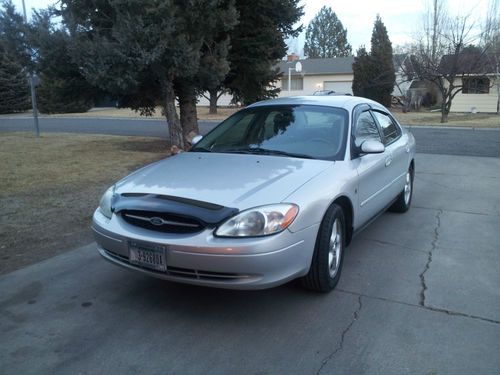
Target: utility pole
x,y
32,86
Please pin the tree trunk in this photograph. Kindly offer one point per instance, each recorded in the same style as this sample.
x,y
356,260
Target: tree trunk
x,y
445,110
187,107
213,101
174,125
498,93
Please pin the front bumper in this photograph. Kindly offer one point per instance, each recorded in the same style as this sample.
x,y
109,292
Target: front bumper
x,y
202,259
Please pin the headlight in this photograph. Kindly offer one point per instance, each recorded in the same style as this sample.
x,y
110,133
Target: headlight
x,y
259,221
106,200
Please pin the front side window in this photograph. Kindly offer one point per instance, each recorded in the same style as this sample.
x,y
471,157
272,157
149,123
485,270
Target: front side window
x,y
307,131
366,129
389,128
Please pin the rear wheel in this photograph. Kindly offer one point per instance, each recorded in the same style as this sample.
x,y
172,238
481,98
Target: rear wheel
x,y
403,202
328,256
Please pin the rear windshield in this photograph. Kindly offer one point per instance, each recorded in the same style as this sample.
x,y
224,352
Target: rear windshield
x,y
306,131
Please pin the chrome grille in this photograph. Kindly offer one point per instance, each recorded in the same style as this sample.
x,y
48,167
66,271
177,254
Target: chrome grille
x,y
162,222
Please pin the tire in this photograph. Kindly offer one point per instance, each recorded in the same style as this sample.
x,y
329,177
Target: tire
x,y
328,256
403,202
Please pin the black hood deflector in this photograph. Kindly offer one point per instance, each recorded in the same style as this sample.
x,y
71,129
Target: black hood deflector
x,y
209,213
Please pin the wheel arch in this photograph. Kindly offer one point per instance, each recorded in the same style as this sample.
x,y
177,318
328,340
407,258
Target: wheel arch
x,y
345,203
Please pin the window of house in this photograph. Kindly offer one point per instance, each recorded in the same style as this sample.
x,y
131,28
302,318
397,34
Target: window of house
x,y
476,85
297,83
389,128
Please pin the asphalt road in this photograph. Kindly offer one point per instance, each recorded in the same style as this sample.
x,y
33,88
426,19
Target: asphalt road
x,y
470,142
86,125
419,294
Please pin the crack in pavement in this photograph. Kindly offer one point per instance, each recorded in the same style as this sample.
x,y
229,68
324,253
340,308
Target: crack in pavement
x,y
430,308
429,257
342,337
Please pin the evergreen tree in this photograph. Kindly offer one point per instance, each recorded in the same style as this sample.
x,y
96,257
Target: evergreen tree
x,y
14,35
383,66
138,50
14,93
63,88
361,70
374,74
326,36
257,44
14,60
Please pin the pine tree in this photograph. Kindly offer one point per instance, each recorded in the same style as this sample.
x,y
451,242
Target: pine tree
x,y
374,74
148,51
63,88
326,36
14,93
361,70
257,43
383,66
14,60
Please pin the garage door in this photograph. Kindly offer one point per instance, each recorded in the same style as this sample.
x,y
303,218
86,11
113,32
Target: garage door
x,y
338,86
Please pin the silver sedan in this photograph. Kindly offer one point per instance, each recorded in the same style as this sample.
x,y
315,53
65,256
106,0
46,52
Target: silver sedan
x,y
275,192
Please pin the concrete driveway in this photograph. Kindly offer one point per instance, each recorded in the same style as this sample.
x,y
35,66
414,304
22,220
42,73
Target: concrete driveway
x,y
419,294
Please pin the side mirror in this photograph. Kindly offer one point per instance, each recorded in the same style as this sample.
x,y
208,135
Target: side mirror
x,y
372,147
196,139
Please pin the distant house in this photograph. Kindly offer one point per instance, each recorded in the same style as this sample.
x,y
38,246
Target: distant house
x,y
476,75
317,74
332,74
402,84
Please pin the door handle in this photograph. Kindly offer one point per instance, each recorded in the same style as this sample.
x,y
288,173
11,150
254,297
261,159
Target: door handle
x,y
388,161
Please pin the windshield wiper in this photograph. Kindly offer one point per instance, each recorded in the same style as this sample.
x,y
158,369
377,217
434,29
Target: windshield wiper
x,y
265,151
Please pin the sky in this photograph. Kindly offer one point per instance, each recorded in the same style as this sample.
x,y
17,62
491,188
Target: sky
x,y
402,18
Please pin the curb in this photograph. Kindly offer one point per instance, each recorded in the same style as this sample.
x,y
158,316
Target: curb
x,y
473,128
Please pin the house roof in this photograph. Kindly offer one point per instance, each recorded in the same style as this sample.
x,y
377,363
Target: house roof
x,y
334,65
467,62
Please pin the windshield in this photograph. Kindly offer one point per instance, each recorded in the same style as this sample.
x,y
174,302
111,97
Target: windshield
x,y
304,131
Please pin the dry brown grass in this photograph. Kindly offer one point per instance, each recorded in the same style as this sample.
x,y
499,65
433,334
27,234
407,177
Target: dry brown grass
x,y
454,119
49,188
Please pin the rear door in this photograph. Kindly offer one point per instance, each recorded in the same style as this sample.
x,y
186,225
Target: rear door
x,y
396,149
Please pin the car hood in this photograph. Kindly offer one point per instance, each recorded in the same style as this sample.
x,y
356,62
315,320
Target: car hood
x,y
231,180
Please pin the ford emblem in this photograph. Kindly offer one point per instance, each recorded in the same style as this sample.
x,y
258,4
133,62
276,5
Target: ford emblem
x,y
156,221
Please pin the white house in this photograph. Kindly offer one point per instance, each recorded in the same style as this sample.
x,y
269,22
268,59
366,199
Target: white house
x,y
479,94
317,74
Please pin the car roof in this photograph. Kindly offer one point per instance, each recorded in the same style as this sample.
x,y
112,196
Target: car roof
x,y
341,101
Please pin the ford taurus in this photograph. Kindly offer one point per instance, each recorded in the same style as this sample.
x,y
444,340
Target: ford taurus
x,y
273,193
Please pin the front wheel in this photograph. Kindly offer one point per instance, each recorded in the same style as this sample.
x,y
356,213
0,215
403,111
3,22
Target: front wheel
x,y
327,261
402,204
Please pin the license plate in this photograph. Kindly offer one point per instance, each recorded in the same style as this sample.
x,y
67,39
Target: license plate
x,y
148,255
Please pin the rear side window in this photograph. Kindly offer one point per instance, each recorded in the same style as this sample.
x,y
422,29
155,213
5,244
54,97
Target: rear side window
x,y
390,129
366,129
